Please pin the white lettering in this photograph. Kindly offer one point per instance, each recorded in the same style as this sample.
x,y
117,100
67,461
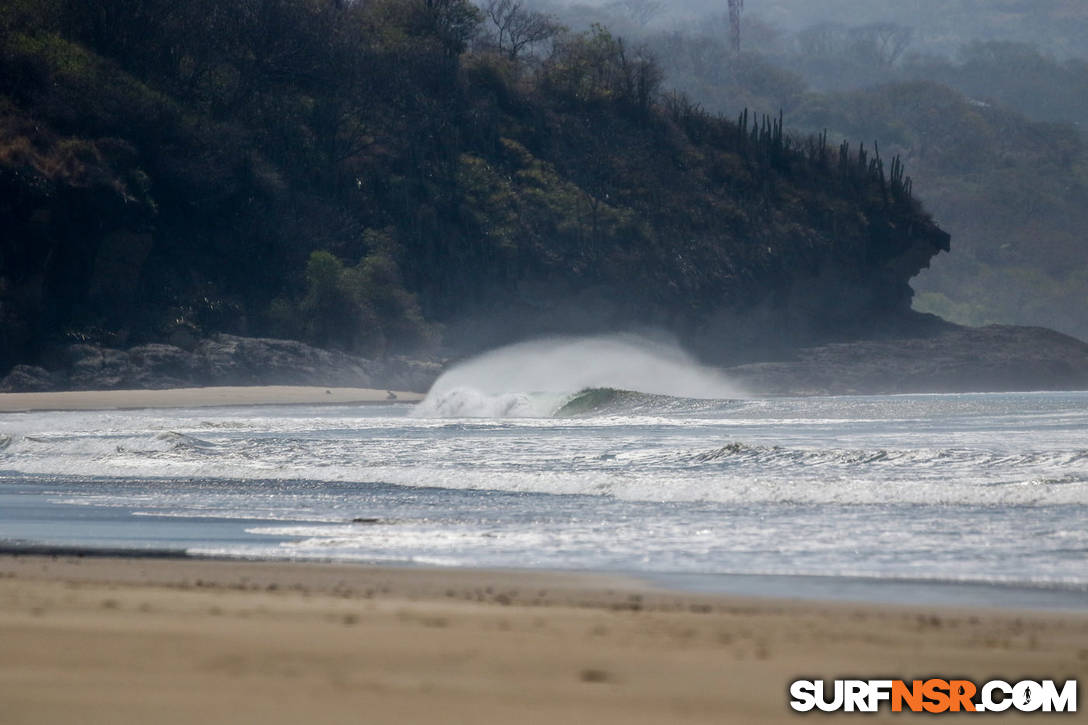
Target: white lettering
x,y
836,702
803,693
857,698
988,701
1064,701
879,691
1027,696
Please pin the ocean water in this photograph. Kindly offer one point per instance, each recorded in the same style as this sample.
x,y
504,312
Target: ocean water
x,y
985,495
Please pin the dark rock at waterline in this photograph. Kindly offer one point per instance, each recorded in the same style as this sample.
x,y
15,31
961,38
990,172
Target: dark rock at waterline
x,y
231,360
996,358
30,378
90,367
218,360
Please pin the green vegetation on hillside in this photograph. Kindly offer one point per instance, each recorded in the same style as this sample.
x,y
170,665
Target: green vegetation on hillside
x,y
360,174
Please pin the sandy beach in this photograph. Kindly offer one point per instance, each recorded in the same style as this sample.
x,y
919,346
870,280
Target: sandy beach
x,y
198,398
106,640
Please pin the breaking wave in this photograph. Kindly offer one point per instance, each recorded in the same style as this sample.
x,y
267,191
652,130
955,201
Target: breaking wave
x,y
471,403
612,401
573,376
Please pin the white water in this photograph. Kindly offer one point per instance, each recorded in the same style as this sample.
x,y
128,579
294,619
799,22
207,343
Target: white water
x,y
986,488
532,379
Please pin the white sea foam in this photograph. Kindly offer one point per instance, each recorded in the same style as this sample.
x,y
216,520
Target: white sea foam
x,y
530,378
576,458
467,402
985,487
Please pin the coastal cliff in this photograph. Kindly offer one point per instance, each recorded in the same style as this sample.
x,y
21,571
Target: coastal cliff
x,y
374,179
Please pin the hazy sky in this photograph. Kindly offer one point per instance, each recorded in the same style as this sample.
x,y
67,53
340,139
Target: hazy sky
x,y
1059,27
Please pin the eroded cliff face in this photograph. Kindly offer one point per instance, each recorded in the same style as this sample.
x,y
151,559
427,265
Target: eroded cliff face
x,y
846,283
915,243
863,294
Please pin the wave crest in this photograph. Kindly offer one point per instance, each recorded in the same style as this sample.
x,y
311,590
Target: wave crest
x,y
539,378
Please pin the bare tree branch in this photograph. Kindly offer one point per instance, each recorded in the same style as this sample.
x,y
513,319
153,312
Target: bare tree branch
x,y
517,29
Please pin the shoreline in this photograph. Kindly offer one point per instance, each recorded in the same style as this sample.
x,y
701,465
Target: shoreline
x,y
295,395
815,589
203,397
132,640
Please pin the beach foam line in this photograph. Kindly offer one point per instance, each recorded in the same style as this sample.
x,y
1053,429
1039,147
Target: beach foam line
x,y
200,398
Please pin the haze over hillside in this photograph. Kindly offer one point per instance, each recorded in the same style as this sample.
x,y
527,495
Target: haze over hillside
x,y
986,102
1059,26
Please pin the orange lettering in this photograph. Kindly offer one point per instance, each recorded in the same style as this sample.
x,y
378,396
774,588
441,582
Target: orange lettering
x,y
936,691
962,691
912,696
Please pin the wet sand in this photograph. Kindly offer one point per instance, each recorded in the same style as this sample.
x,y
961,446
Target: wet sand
x,y
139,640
198,398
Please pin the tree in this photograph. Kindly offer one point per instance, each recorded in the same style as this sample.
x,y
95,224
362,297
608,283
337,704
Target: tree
x,y
516,28
327,308
599,66
453,23
363,308
456,22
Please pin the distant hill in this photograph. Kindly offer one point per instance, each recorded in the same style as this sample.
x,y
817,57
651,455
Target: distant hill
x,y
1011,191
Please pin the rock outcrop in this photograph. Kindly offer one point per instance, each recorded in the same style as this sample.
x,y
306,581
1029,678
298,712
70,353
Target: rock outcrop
x,y
218,360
